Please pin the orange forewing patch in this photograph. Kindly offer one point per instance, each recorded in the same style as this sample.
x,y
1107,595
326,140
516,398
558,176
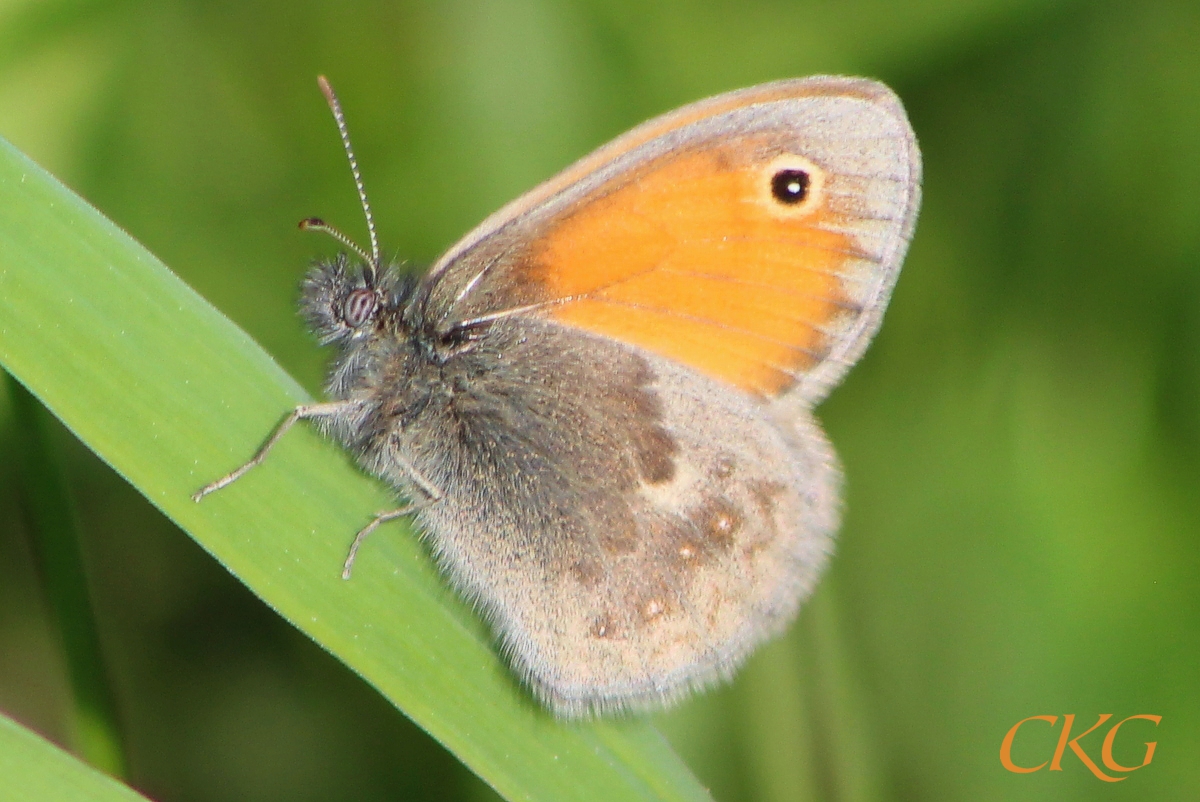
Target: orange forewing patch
x,y
688,260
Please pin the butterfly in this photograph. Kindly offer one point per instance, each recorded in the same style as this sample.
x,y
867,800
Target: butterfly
x,y
599,403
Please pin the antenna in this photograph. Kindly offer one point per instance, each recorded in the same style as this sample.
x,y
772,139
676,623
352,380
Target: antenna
x,y
316,224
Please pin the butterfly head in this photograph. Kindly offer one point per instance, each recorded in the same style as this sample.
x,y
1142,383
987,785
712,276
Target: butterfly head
x,y
343,302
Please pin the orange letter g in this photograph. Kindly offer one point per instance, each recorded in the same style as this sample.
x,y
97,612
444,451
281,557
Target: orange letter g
x,y
1107,755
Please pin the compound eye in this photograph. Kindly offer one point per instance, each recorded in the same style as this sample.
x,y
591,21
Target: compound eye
x,y
359,307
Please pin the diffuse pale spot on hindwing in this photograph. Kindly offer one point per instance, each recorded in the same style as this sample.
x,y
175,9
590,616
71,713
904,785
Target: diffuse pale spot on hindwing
x,y
718,522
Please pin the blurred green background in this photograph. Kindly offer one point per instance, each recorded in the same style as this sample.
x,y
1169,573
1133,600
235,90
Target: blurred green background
x,y
1022,442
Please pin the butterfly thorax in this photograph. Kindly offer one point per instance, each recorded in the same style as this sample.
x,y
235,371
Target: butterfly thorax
x,y
399,369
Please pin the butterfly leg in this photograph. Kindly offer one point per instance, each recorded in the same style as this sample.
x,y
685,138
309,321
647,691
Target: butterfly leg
x,y
422,484
299,413
380,518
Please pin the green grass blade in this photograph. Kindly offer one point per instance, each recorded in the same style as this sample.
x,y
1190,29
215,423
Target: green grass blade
x,y
34,770
54,533
171,394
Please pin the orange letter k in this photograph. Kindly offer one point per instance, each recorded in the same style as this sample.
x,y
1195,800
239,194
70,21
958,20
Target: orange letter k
x,y
1063,743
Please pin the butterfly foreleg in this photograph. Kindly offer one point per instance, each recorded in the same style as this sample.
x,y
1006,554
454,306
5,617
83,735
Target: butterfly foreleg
x,y
302,412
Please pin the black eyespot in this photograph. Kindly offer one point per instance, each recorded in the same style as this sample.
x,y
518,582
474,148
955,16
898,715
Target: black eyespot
x,y
790,186
359,307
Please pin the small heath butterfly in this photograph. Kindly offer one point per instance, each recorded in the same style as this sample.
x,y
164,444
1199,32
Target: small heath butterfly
x,y
599,402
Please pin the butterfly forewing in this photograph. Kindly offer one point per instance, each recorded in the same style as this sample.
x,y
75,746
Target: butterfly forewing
x,y
687,243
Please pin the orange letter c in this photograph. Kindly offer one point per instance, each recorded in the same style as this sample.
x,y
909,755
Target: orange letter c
x,y
1006,745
